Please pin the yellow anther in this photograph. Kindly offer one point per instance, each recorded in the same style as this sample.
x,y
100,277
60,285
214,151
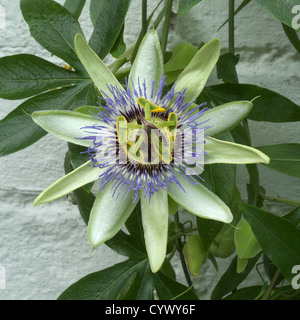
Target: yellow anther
x,y
68,67
153,107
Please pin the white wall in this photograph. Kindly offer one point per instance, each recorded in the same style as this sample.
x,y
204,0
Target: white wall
x,y
45,249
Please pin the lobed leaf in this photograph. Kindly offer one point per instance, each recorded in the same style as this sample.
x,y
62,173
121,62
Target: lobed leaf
x,y
53,27
280,9
18,130
25,75
107,24
278,237
285,158
268,105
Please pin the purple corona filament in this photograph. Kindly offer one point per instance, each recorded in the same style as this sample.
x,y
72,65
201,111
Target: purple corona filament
x,y
130,175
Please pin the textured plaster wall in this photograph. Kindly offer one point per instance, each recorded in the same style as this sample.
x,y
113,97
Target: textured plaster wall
x,y
45,249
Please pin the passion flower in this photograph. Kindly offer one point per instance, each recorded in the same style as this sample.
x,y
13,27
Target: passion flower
x,y
137,146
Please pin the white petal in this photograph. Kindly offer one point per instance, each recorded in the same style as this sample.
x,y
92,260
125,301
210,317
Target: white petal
x,y
155,224
220,151
108,215
72,181
67,125
148,64
199,200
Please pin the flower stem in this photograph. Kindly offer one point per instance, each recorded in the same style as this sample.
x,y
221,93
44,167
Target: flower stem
x,y
231,26
271,286
144,18
179,249
251,168
166,26
288,202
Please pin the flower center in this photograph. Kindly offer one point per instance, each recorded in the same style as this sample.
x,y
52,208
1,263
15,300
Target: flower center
x,y
148,139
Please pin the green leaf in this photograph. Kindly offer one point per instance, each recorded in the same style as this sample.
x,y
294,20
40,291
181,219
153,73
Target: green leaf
x,y
285,158
53,27
294,217
72,181
142,286
270,270
194,76
279,238
280,9
125,245
155,224
130,245
95,67
245,241
18,130
220,179
226,70
269,105
199,200
67,125
173,206
185,5
119,47
108,215
182,55
128,280
248,293
208,230
223,243
168,270
220,151
135,227
169,289
106,284
195,254
25,75
108,24
84,199
292,36
225,117
230,280
78,156
241,264
148,63
75,7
